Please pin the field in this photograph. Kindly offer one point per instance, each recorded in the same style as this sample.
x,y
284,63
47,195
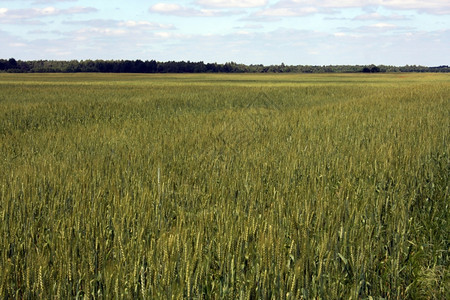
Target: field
x,y
249,186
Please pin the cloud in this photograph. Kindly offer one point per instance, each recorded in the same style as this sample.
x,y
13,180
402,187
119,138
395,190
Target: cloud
x,y
379,17
429,6
50,1
340,34
109,34
232,3
375,31
128,40
439,7
383,39
397,4
29,15
287,11
120,42
11,44
383,25
288,8
76,10
145,25
92,22
248,26
166,8
182,11
100,31
131,24
251,47
292,8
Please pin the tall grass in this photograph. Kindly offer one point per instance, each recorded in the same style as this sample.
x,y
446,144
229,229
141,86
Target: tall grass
x,y
224,186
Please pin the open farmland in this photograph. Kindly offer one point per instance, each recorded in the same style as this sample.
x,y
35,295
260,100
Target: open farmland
x,y
224,186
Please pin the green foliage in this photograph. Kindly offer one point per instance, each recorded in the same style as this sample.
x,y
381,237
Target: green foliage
x,y
224,186
152,66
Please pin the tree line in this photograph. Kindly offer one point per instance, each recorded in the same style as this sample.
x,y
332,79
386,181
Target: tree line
x,y
151,66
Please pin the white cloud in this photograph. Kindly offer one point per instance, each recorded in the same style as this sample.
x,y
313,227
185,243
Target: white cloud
x,y
287,11
17,45
288,8
383,26
295,8
92,22
164,35
248,27
371,16
182,11
145,25
118,34
29,15
131,24
51,1
41,2
232,3
267,47
58,52
77,10
166,7
47,11
102,31
377,16
430,6
118,39
374,30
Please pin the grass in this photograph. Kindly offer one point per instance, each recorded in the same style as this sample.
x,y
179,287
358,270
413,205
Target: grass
x,y
224,186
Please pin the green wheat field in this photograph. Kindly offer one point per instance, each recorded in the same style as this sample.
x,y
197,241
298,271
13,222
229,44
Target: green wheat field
x,y
224,186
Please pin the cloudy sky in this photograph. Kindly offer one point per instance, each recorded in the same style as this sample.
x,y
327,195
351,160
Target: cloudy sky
x,y
307,32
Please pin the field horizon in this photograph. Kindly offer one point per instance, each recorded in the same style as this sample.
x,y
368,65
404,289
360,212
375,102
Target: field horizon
x,y
224,186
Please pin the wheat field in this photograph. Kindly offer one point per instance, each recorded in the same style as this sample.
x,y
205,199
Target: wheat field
x,y
224,186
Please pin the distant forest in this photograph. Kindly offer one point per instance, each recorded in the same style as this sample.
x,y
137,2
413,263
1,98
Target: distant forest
x,y
151,66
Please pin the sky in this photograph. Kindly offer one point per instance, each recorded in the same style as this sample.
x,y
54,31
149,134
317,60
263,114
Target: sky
x,y
293,32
